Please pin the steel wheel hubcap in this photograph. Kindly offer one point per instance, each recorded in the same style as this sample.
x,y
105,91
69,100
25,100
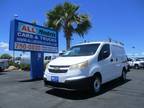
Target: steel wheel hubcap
x,y
97,85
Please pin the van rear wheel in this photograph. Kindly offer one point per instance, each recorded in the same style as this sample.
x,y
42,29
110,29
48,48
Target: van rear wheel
x,y
123,76
96,85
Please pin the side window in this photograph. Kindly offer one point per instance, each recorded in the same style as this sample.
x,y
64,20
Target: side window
x,y
104,53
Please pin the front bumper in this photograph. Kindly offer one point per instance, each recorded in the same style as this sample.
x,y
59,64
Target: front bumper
x,y
78,84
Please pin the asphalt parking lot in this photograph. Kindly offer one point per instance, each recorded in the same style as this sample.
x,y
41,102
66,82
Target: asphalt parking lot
x,y
17,91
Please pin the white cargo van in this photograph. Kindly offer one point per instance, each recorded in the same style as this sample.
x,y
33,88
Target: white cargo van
x,y
87,65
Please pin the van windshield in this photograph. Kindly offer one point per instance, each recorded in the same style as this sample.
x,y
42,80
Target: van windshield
x,y
81,50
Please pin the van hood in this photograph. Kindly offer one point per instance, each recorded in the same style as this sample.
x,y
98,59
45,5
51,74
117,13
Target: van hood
x,y
62,61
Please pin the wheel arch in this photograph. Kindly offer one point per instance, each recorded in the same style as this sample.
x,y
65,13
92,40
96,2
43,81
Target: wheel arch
x,y
98,74
136,64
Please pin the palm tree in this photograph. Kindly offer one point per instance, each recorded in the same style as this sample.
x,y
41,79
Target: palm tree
x,y
65,16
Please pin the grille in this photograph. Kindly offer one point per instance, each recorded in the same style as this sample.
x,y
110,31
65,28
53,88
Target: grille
x,y
54,66
58,71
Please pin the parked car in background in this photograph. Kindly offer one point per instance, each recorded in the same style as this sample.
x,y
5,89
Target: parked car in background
x,y
47,59
3,64
130,62
136,63
22,60
87,65
26,59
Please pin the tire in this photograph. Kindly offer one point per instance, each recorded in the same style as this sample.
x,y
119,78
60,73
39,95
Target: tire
x,y
96,85
123,76
1,69
136,66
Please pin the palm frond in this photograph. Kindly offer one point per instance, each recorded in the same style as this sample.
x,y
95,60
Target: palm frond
x,y
64,16
83,25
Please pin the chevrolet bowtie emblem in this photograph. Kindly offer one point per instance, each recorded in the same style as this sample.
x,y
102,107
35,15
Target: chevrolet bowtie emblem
x,y
56,68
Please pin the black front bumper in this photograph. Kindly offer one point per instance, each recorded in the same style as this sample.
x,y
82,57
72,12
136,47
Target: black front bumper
x,y
79,84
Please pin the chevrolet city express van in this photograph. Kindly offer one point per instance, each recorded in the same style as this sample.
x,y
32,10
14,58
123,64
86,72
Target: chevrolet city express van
x,y
87,65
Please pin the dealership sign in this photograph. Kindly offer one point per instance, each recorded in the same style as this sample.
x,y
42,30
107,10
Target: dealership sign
x,y
29,37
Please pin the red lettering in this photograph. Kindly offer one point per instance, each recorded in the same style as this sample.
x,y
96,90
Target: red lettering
x,y
28,29
24,28
33,30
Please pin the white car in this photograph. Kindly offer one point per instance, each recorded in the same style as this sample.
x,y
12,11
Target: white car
x,y
136,63
87,65
47,59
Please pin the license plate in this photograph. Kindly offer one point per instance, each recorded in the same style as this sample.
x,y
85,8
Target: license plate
x,y
54,78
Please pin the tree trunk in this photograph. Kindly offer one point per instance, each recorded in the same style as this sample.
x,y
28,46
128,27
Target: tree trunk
x,y
68,38
68,42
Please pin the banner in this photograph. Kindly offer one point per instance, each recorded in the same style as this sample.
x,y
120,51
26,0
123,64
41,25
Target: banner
x,y
29,37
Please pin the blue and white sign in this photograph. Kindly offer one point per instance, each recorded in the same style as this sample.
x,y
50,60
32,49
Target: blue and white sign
x,y
29,37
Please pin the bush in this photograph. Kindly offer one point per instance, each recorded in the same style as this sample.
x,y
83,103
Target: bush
x,y
11,63
25,67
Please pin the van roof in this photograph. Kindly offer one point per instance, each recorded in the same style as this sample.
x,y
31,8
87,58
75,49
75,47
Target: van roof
x,y
101,42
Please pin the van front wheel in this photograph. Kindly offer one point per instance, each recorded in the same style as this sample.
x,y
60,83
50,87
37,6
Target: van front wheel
x,y
96,85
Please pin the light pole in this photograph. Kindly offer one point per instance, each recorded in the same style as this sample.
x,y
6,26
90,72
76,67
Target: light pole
x,y
15,17
133,47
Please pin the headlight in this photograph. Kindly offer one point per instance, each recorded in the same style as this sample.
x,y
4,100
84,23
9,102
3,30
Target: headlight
x,y
80,65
